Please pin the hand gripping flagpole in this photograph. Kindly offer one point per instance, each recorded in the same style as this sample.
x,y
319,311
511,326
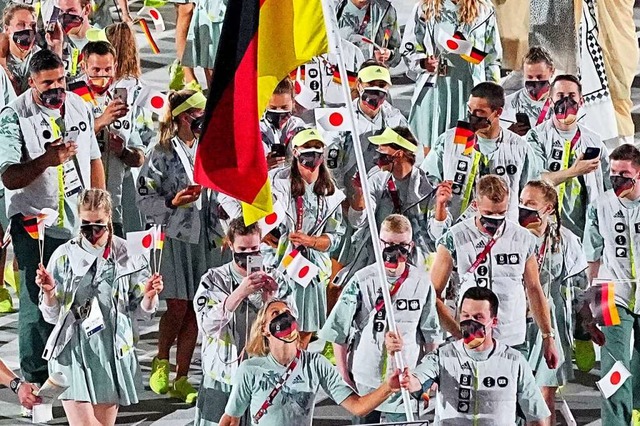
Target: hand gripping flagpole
x,y
335,47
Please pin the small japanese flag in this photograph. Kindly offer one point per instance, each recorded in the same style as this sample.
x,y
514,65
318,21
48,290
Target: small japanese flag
x,y
613,380
152,12
305,96
332,119
271,221
48,216
152,100
299,268
140,243
454,45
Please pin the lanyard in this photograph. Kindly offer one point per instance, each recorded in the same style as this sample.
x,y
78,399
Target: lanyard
x,y
483,254
276,390
365,21
544,112
395,196
395,288
300,211
470,181
570,147
540,256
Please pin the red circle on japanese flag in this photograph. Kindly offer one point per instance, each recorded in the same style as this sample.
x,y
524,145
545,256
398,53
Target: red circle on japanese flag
x,y
336,119
146,241
154,14
271,219
452,45
303,272
157,102
615,378
298,88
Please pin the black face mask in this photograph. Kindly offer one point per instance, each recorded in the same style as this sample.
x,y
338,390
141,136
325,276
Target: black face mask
x,y
393,254
277,118
537,89
196,125
93,231
373,97
241,258
284,327
477,122
24,39
491,224
310,160
621,184
69,21
381,159
53,98
473,332
528,218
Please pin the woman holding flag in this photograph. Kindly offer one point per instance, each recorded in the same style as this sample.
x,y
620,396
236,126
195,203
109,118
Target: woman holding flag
x,y
449,47
168,195
562,266
92,290
311,230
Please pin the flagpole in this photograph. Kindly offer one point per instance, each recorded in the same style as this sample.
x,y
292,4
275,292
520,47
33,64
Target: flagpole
x,y
335,45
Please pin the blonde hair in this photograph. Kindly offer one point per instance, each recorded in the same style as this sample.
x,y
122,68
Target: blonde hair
x,y
397,224
123,39
258,344
97,199
169,123
468,10
493,187
12,8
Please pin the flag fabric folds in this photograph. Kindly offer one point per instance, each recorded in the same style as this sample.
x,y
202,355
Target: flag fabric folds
x,y
464,135
605,310
81,89
140,243
299,268
613,380
262,41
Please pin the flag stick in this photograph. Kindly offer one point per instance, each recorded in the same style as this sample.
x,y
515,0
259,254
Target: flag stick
x,y
155,254
161,250
335,43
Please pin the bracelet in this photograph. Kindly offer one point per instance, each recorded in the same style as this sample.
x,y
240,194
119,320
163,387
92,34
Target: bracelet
x,y
549,335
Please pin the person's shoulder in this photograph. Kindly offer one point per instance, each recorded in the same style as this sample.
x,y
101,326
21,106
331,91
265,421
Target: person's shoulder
x,y
509,353
519,231
587,133
367,273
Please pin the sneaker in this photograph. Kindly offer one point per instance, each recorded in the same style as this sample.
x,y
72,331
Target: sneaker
x,y
159,380
193,85
636,418
183,390
176,76
6,304
585,355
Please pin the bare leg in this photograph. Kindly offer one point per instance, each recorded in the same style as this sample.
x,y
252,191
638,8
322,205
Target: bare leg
x,y
185,12
549,395
187,338
106,413
80,413
208,72
170,325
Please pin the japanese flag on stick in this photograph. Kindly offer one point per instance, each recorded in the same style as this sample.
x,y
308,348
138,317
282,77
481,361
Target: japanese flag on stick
x,y
140,243
156,17
332,119
299,268
271,221
152,100
613,380
452,44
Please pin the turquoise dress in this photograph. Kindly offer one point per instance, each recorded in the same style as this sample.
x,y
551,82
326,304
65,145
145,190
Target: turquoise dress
x,y
439,101
204,33
322,215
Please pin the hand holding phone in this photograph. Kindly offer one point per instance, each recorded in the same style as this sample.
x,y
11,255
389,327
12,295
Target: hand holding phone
x,y
591,153
254,264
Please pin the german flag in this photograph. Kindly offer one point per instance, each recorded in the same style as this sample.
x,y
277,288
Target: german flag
x,y
31,226
606,311
159,237
147,33
81,89
261,42
475,57
352,77
464,135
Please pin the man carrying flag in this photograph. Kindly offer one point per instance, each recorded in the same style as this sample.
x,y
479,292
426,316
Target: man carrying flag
x,y
612,246
258,48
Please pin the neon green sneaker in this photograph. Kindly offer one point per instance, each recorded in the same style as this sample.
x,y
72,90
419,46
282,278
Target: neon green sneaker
x,y
193,85
6,304
183,390
176,76
636,418
159,379
585,355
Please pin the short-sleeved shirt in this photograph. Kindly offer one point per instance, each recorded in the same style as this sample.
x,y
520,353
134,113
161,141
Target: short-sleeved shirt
x,y
293,406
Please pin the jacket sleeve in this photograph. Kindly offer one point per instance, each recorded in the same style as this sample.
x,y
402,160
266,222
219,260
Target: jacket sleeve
x,y
433,164
209,305
149,197
413,49
391,23
493,49
137,284
335,229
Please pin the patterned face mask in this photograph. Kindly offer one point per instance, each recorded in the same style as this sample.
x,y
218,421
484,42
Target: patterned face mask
x,y
284,327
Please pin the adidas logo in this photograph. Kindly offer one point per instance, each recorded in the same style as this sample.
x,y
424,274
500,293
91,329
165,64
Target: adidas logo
x,y
619,214
297,380
481,244
557,143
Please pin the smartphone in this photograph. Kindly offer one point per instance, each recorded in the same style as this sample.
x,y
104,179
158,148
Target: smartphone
x,y
120,93
71,136
254,264
591,153
194,188
279,150
55,15
523,118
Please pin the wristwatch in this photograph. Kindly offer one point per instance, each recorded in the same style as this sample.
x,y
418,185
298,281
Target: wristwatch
x,y
548,335
15,384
